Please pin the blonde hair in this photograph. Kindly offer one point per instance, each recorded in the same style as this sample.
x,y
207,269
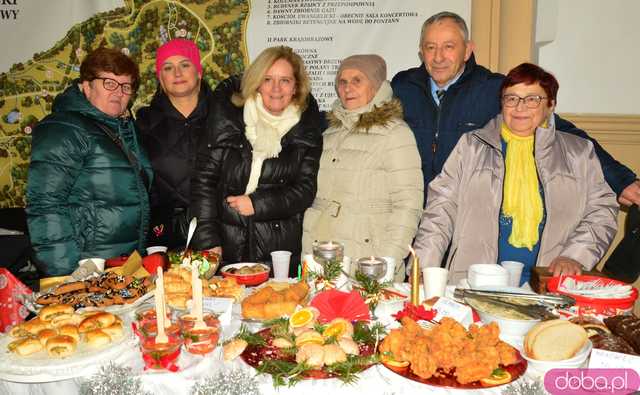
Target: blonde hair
x,y
254,75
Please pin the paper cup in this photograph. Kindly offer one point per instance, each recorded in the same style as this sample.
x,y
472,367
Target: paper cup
x,y
391,268
154,249
435,281
280,261
514,269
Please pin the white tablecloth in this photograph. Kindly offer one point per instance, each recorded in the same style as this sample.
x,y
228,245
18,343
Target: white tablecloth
x,y
375,380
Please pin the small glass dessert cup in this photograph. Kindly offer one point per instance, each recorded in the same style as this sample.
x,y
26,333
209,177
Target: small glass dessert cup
x,y
150,329
201,341
187,320
144,315
159,356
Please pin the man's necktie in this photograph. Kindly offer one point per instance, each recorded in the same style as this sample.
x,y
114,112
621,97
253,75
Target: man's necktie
x,y
440,94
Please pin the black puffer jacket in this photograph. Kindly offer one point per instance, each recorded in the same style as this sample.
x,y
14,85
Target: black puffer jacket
x,y
286,188
171,142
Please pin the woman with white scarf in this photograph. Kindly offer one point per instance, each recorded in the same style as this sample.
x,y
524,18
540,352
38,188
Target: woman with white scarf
x,y
256,176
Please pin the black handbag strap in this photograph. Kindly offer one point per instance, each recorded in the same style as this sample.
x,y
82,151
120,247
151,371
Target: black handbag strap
x,y
130,156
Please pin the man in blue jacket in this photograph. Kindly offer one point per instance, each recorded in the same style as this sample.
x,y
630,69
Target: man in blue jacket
x,y
449,94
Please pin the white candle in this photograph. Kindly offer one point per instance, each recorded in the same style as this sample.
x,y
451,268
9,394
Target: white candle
x,y
194,286
161,323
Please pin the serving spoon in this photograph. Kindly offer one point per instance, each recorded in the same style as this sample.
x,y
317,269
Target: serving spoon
x,y
192,229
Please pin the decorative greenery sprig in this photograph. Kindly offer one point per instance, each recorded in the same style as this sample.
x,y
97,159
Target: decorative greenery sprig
x,y
370,286
331,270
363,333
252,339
279,327
284,372
347,371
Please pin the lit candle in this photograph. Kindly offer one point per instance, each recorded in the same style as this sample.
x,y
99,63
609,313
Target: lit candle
x,y
415,278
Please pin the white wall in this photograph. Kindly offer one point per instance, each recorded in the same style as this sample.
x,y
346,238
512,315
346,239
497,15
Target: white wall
x,y
593,48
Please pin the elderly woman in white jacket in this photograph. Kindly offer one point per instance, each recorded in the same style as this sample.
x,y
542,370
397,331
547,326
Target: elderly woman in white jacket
x,y
370,188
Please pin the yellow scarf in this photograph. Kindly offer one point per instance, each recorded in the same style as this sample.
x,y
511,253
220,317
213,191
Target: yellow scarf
x,y
521,194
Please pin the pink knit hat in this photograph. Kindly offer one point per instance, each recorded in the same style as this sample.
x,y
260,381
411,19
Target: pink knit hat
x,y
178,46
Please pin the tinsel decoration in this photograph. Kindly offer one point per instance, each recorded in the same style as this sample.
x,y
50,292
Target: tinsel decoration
x,y
227,382
113,380
525,387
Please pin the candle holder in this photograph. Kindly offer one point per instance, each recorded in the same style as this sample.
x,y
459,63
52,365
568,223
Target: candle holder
x,y
327,251
369,271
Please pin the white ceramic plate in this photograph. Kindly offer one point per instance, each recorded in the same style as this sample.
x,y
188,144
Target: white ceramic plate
x,y
39,367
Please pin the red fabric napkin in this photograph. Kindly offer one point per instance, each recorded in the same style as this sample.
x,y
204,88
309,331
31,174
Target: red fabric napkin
x,y
12,311
338,304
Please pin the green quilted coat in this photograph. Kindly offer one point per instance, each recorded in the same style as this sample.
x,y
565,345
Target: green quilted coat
x,y
84,198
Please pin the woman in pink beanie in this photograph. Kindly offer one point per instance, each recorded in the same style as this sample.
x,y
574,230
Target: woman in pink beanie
x,y
171,128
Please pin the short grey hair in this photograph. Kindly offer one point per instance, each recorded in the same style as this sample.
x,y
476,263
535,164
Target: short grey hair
x,y
457,19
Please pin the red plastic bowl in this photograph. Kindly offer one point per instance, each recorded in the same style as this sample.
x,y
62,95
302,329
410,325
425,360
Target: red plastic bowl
x,y
246,279
594,306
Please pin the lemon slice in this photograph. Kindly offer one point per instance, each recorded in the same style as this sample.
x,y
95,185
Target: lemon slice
x,y
498,376
309,337
338,328
388,360
302,317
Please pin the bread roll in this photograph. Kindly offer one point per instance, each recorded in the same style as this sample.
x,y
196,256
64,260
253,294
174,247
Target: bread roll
x,y
97,321
29,328
178,300
97,338
234,348
26,346
61,346
114,331
65,319
558,342
70,330
50,312
46,334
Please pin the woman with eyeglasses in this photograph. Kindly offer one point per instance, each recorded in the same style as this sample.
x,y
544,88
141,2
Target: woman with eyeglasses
x,y
519,190
170,130
88,176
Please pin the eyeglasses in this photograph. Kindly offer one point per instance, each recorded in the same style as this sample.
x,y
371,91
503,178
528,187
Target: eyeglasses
x,y
532,101
111,85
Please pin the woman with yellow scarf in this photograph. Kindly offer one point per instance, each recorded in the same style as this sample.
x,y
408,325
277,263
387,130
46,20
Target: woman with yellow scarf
x,y
518,190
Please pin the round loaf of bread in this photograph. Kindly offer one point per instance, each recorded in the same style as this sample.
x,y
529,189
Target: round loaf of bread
x,y
556,341
533,332
61,346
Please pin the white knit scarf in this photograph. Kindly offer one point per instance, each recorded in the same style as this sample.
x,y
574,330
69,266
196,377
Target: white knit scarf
x,y
264,132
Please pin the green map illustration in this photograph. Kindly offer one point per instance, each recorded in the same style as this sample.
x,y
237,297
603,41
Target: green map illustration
x,y
27,90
